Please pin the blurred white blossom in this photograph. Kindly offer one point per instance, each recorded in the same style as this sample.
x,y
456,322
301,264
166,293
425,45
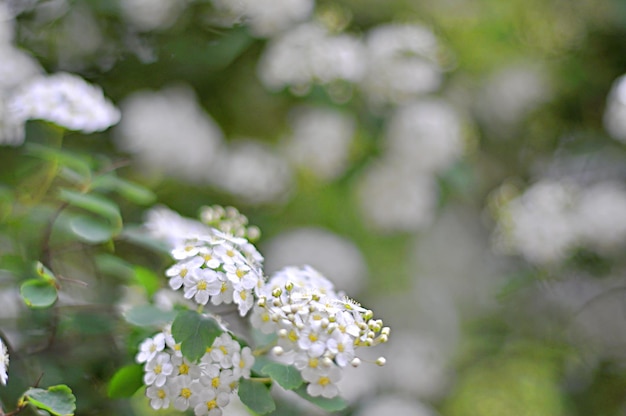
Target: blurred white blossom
x,y
169,132
615,111
17,67
172,228
149,15
4,363
394,405
401,63
425,135
601,215
307,55
320,141
393,198
64,99
264,17
334,256
253,172
510,94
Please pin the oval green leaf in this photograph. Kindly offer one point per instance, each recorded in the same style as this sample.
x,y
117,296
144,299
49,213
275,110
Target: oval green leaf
x,y
58,400
286,375
149,315
256,396
195,333
330,405
91,230
125,382
38,293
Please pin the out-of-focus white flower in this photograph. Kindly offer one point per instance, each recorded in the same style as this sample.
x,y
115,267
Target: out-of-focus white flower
x,y
393,198
6,25
541,223
401,63
169,132
4,363
615,112
307,54
66,100
17,67
11,129
602,215
510,94
425,135
320,142
253,172
149,15
264,17
336,257
394,405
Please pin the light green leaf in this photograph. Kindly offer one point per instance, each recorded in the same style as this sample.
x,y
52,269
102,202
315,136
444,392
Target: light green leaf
x,y
114,266
78,163
256,396
127,189
146,278
90,229
95,204
148,315
125,382
45,273
38,293
285,375
195,333
330,405
58,400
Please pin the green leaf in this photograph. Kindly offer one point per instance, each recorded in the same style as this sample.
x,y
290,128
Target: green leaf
x,y
95,204
38,293
127,189
45,273
256,396
285,375
114,266
90,229
330,405
148,315
125,382
58,400
146,278
195,333
78,163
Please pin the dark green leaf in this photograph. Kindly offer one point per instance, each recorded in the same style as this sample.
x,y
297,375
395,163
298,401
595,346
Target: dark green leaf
x,y
256,396
149,315
195,333
330,405
58,400
285,375
38,293
90,229
126,381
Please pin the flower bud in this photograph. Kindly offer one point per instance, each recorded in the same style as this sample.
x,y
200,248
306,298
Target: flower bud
x,y
277,292
355,362
380,361
278,351
289,286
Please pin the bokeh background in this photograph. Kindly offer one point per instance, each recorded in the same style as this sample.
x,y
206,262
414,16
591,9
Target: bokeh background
x,y
458,166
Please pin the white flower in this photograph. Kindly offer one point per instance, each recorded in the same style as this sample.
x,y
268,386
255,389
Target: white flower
x,y
201,284
150,348
182,389
615,112
159,396
179,271
66,100
4,363
211,402
322,381
152,14
242,363
158,369
223,349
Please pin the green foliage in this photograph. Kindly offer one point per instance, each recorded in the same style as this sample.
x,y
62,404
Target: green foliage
x,y
286,375
149,315
42,291
125,382
195,333
256,396
330,405
57,400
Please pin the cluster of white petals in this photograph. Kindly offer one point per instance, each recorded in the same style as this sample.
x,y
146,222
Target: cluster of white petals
x,y
64,99
217,268
615,112
552,218
205,386
319,329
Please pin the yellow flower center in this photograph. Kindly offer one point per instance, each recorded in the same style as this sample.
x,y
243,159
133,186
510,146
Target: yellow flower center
x,y
183,272
293,336
323,381
230,253
161,394
224,287
207,257
201,285
242,363
158,369
243,295
211,404
340,348
215,382
313,337
240,273
313,362
185,392
183,369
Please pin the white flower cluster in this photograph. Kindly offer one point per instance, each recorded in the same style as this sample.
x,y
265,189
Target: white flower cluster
x,y
318,329
615,112
218,268
66,100
205,387
4,363
551,218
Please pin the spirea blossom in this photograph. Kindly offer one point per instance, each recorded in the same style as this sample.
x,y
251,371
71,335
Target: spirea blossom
x,y
319,329
217,268
4,363
615,111
206,386
64,99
